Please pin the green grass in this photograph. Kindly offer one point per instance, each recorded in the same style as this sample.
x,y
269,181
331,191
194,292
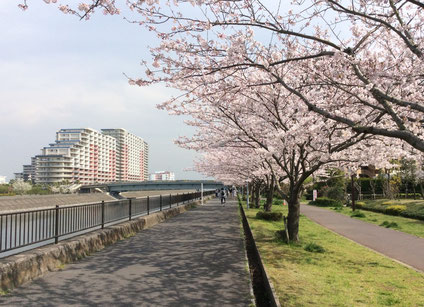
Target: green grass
x,y
344,274
411,226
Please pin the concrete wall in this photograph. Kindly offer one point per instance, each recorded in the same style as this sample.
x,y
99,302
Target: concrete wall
x,y
18,269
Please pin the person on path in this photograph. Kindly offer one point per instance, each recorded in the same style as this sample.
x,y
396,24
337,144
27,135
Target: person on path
x,y
223,196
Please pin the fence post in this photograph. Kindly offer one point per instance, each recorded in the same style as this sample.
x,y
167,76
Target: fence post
x,y
160,202
56,230
148,205
129,209
170,200
103,214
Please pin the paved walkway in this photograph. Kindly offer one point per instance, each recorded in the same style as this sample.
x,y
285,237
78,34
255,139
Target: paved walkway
x,y
194,259
401,246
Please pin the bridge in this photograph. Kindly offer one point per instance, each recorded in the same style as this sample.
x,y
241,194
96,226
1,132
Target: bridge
x,y
118,187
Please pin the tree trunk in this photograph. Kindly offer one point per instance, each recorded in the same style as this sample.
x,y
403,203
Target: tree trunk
x,y
252,199
270,195
257,196
406,190
294,215
413,189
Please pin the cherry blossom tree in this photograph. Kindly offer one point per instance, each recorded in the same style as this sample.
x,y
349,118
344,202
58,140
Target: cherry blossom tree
x,y
21,187
244,112
369,53
298,89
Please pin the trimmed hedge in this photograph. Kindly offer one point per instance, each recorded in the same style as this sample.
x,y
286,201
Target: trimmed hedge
x,y
7,194
359,204
269,216
409,210
395,209
326,202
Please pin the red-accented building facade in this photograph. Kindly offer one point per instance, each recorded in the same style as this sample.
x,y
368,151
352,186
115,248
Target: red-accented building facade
x,y
86,156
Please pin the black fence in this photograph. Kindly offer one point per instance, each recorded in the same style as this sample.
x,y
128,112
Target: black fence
x,y
24,228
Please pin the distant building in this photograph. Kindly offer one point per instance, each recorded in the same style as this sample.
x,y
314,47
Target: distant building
x,y
86,156
79,155
19,176
162,175
3,179
29,171
132,155
368,171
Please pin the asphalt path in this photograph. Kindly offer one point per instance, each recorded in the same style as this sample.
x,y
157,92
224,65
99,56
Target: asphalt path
x,y
397,245
194,259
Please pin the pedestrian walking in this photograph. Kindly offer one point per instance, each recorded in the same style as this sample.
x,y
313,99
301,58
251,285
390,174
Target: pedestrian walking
x,y
223,196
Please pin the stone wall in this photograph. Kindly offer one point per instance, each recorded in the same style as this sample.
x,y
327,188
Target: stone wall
x,y
18,269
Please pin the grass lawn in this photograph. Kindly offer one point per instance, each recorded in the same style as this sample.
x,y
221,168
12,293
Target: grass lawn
x,y
346,274
411,226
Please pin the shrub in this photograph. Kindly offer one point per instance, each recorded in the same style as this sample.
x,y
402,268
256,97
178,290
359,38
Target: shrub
x,y
269,216
389,224
314,248
326,202
395,209
357,214
277,202
336,192
387,203
360,204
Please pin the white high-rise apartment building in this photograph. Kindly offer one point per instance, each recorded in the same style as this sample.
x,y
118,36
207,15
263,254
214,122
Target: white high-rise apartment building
x,y
79,155
132,155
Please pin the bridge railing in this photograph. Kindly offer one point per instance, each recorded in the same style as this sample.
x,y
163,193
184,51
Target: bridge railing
x,y
32,228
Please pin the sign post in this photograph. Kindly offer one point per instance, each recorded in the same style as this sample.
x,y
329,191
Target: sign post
x,y
314,195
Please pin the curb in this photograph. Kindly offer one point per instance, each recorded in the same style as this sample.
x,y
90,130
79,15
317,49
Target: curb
x,y
272,296
18,269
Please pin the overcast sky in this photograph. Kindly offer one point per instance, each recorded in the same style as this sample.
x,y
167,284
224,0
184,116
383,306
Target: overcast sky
x,y
59,72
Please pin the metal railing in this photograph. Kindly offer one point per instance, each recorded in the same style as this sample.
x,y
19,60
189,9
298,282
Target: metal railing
x,y
24,228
